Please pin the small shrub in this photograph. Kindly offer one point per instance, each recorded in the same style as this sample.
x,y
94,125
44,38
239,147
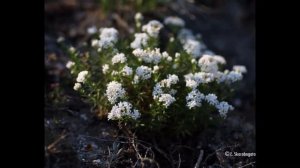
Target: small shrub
x,y
147,83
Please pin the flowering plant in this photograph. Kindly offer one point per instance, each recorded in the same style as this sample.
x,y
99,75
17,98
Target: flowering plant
x,y
154,84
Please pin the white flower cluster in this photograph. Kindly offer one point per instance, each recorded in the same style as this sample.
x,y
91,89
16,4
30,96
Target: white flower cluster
x,y
158,93
119,58
195,98
138,17
190,44
143,73
239,68
212,99
114,91
77,86
92,30
140,41
123,109
127,71
152,28
223,108
151,56
70,64
209,63
167,99
174,21
108,37
155,69
193,47
232,77
105,68
171,80
193,80
82,76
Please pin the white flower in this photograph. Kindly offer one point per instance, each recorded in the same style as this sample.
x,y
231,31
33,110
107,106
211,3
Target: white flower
x,y
194,99
169,59
165,54
119,58
207,63
135,114
82,76
211,99
219,59
192,47
110,34
191,83
95,43
127,71
155,69
148,56
141,40
223,108
92,30
143,72
174,21
177,55
138,16
60,39
239,68
167,99
152,28
77,86
157,91
172,79
233,76
171,39
108,37
136,79
199,77
114,91
72,49
123,109
70,64
193,61
105,68
138,19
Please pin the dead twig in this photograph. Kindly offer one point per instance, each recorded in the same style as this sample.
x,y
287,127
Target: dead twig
x,y
51,147
179,161
251,163
222,148
199,159
139,156
162,152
